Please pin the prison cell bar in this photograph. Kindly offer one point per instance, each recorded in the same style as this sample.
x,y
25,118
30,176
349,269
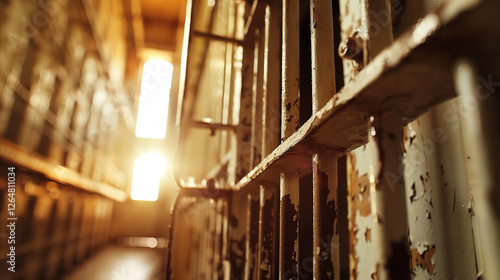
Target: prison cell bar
x,y
480,107
326,260
290,115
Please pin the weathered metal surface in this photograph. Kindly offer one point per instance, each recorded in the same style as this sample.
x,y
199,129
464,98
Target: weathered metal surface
x,y
350,27
272,75
439,199
361,260
387,194
373,90
268,233
245,112
257,100
322,53
479,101
378,201
289,227
326,264
421,207
290,69
351,50
252,239
290,121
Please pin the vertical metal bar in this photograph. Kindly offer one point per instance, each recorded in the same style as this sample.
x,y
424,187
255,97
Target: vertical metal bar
x,y
237,234
218,253
289,225
361,262
480,102
326,263
267,233
237,108
271,99
322,53
290,70
256,140
388,198
289,181
360,224
350,19
252,241
423,213
245,113
376,27
438,197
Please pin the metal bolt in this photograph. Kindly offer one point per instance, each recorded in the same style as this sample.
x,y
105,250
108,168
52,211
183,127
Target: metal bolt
x,y
351,48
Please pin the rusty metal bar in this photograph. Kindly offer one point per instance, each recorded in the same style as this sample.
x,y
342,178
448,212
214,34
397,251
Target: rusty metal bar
x,y
258,81
217,240
245,112
290,69
322,53
479,101
326,263
216,37
361,262
212,126
424,218
252,238
290,105
271,86
376,27
289,225
387,195
438,196
267,233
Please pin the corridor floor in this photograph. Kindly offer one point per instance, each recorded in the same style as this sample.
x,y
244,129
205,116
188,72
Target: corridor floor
x,y
122,263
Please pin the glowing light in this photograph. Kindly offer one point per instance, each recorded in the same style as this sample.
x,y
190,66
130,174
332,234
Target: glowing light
x,y
146,179
153,103
152,242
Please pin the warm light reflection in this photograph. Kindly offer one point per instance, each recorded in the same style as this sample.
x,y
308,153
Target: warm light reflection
x,y
146,179
153,103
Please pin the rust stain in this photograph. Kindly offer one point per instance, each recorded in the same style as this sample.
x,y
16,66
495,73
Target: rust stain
x,y
290,227
413,193
326,229
359,191
254,235
375,275
423,260
314,14
266,250
359,198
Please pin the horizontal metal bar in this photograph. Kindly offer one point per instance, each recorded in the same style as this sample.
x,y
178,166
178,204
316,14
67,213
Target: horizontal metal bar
x,y
416,59
211,125
210,36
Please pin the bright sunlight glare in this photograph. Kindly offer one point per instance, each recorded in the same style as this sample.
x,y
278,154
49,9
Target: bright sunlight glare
x,y
146,179
153,102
